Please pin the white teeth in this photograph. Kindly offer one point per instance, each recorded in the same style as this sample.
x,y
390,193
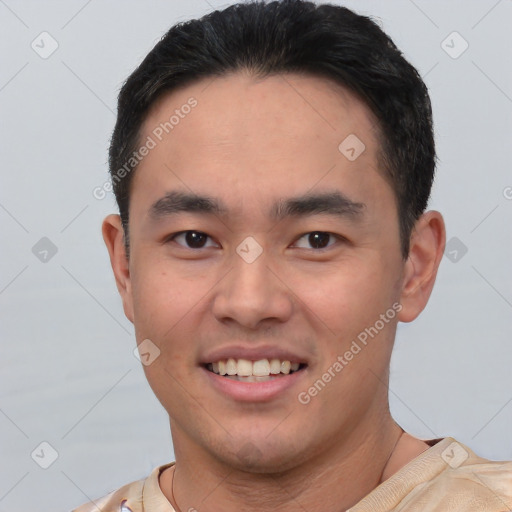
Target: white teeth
x,y
231,367
285,367
275,366
248,369
260,368
245,368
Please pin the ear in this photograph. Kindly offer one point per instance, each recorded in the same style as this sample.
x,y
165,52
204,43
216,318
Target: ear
x,y
113,234
426,249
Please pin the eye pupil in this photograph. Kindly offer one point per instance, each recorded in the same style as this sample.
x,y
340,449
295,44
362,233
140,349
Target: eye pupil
x,y
195,239
319,240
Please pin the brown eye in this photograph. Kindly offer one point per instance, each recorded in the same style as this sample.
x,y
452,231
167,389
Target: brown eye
x,y
319,239
316,240
193,239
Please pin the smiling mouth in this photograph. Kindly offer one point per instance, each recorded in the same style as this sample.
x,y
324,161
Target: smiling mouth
x,y
261,370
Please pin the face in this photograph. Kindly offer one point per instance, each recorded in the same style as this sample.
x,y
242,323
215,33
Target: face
x,y
262,248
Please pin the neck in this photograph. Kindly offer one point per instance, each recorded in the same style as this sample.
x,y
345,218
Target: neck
x,y
332,481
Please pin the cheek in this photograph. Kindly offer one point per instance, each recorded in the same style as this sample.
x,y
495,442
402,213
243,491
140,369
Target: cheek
x,y
347,297
164,309
162,300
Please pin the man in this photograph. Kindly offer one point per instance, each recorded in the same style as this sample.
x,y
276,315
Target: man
x,y
272,165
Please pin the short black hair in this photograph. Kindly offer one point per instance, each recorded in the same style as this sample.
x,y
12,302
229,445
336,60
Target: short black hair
x,y
291,36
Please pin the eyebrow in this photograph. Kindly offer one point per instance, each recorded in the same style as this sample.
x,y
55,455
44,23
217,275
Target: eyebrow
x,y
330,203
176,202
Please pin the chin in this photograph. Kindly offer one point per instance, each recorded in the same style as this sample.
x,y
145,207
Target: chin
x,y
265,464
261,456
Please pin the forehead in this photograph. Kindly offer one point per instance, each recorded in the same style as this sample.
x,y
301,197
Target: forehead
x,y
240,103
242,132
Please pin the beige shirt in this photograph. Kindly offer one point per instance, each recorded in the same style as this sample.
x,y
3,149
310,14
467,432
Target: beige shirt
x,y
447,477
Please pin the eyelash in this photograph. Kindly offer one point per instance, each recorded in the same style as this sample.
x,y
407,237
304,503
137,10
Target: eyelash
x,y
334,236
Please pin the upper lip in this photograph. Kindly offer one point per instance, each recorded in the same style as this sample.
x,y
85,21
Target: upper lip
x,y
252,354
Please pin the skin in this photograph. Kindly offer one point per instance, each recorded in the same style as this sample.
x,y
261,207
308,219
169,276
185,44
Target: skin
x,y
248,143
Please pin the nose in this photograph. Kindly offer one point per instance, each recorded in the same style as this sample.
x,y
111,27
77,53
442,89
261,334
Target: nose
x,y
252,294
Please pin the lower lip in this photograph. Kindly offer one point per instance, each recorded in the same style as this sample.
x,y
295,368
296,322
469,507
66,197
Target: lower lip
x,y
254,391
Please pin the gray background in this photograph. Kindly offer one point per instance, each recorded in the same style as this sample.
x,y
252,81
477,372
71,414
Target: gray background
x,y
68,373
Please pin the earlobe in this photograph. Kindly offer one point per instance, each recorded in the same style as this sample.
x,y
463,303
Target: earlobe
x,y
425,252
113,235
